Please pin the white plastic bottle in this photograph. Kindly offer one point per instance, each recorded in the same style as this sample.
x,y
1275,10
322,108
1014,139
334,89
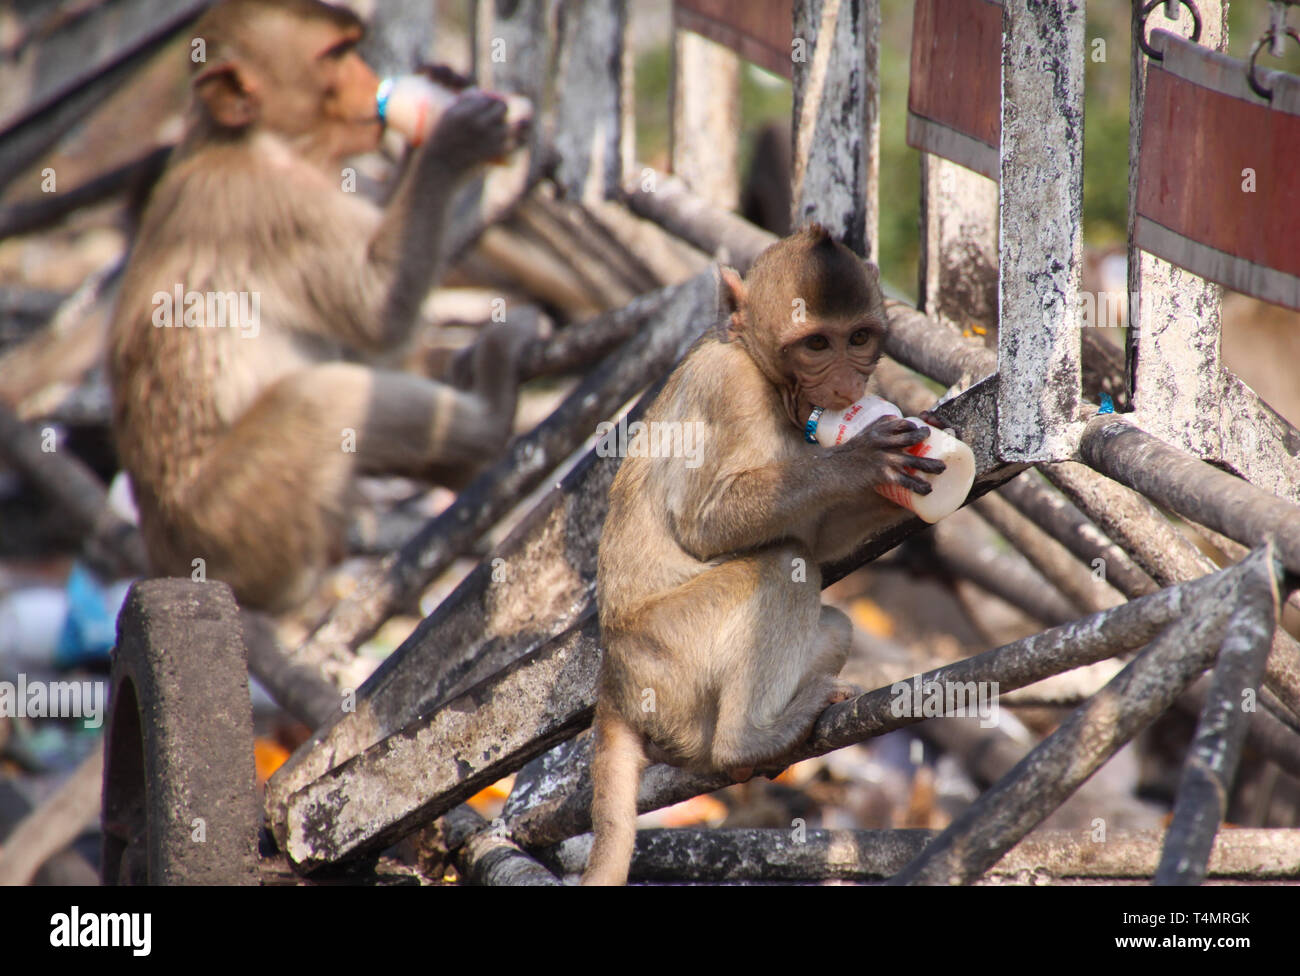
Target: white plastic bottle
x,y
949,488
413,104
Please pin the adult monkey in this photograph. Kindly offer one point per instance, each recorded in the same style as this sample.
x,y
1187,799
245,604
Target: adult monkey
x,y
243,442
718,652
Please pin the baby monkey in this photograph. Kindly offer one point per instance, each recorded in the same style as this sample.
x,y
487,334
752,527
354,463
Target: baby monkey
x,y
718,654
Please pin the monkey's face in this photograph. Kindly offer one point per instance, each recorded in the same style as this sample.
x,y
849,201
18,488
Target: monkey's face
x,y
292,70
811,316
332,107
829,360
347,87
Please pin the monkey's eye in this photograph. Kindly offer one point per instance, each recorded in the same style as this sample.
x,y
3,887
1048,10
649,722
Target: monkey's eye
x,y
860,338
339,50
816,343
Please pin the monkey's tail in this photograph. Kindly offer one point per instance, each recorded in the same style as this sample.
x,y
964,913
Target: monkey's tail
x,y
616,765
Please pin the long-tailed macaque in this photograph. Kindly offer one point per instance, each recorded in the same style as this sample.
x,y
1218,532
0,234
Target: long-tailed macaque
x,y
256,279
718,654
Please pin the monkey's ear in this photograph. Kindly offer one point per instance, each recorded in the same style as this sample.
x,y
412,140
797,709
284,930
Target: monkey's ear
x,y
227,96
736,300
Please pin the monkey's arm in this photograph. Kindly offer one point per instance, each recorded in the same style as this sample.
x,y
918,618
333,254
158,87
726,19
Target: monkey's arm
x,y
759,482
747,509
406,251
758,494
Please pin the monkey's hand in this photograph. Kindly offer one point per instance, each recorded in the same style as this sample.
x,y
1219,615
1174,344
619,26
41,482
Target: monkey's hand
x,y
934,420
472,131
881,453
446,76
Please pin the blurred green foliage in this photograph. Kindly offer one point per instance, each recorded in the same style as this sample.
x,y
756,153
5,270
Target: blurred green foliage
x,y
653,104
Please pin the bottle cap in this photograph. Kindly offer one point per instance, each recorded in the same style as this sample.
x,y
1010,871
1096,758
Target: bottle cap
x,y
381,99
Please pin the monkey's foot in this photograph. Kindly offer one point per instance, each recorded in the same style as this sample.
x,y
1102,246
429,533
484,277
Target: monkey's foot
x,y
497,357
743,774
507,340
842,691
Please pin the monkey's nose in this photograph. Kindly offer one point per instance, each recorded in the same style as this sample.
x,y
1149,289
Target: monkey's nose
x,y
843,398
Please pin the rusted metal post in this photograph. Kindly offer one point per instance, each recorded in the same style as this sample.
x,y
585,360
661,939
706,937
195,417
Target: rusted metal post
x,y
958,272
512,48
836,124
592,105
1173,336
1041,245
1211,763
706,118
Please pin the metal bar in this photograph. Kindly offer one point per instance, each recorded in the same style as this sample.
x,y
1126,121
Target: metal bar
x,y
1190,487
1211,763
590,98
1041,240
1094,732
551,800
836,119
780,854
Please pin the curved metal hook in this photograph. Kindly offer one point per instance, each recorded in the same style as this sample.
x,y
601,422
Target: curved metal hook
x,y
1147,49
1255,86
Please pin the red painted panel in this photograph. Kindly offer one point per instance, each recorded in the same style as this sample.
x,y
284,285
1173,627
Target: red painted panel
x,y
1195,144
758,31
956,74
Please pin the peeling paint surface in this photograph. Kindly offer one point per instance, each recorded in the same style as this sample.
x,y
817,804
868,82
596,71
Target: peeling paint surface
x,y
837,111
589,108
1040,230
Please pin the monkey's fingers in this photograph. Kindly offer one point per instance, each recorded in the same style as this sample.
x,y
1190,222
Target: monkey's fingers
x,y
910,482
898,437
892,425
482,107
520,130
446,76
927,464
934,420
472,130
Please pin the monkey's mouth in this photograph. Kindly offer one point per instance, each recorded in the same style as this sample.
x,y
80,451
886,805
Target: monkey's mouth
x,y
830,401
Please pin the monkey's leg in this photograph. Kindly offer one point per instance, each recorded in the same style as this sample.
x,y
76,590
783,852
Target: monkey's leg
x,y
617,763
839,691
266,508
496,367
770,706
837,623
751,638
490,372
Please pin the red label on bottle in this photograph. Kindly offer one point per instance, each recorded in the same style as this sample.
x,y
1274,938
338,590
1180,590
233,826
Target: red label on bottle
x,y
897,494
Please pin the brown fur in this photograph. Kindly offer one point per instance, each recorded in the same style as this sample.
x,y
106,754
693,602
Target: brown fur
x,y
707,582
235,442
